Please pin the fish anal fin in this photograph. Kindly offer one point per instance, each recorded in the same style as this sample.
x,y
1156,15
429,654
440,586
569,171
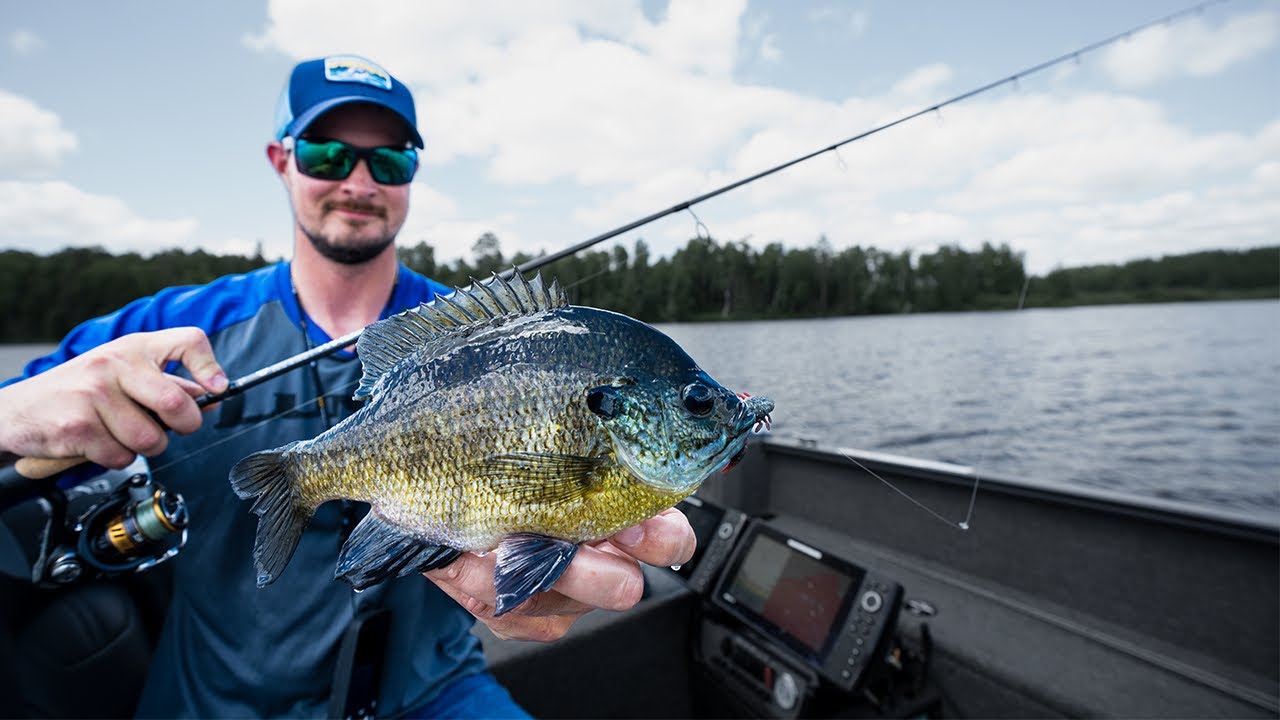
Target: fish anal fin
x,y
378,550
528,564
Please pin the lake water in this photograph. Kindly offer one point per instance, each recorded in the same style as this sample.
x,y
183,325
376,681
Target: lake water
x,y
1178,401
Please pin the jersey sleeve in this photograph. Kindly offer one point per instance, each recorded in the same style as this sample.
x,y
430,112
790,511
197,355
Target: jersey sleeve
x,y
211,307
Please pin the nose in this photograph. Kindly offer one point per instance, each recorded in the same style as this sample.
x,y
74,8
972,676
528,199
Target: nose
x,y
360,182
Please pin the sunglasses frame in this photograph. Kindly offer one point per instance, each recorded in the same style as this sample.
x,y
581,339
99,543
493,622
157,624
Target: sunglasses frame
x,y
361,153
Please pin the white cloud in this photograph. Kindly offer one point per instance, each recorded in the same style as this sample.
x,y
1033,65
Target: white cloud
x,y
635,115
435,220
1091,147
44,216
923,83
855,20
24,42
1189,47
547,91
32,139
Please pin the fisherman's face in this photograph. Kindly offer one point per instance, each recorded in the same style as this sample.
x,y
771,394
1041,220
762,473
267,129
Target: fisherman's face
x,y
354,219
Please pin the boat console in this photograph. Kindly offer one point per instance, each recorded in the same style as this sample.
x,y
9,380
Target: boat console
x,y
786,627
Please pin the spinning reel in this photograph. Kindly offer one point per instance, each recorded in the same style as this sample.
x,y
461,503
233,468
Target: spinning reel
x,y
106,528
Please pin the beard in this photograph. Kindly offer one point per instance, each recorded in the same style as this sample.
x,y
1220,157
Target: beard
x,y
347,255
344,254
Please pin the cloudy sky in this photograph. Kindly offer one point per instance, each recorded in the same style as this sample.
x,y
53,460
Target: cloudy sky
x,y
141,125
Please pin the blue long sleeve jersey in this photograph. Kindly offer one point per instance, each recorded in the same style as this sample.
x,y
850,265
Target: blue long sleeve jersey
x,y
229,648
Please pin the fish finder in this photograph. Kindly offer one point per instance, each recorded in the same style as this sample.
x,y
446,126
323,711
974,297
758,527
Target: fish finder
x,y
819,609
716,529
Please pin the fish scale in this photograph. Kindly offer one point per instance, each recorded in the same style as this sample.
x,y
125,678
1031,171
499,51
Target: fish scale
x,y
501,417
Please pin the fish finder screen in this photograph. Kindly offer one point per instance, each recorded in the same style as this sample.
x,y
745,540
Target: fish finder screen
x,y
799,595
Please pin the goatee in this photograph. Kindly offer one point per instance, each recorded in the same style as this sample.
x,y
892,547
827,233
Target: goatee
x,y
347,255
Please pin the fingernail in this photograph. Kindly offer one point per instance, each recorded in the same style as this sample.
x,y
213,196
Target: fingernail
x,y
218,382
631,536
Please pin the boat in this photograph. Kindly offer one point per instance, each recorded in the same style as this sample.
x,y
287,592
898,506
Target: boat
x,y
823,588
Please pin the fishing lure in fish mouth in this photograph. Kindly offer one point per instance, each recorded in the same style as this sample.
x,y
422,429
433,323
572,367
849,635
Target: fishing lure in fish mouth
x,y
501,418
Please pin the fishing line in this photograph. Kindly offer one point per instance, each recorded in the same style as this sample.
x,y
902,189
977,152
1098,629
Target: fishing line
x,y
844,167
242,384
1014,81
592,276
700,230
333,346
1013,78
963,525
249,428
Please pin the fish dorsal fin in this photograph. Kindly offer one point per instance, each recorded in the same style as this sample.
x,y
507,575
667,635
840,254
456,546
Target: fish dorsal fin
x,y
387,342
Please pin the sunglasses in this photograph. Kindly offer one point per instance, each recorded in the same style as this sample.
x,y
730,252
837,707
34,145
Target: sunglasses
x,y
334,160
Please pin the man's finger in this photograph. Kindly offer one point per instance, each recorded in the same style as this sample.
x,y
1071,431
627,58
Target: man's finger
x,y
472,576
162,395
663,540
190,346
130,425
602,580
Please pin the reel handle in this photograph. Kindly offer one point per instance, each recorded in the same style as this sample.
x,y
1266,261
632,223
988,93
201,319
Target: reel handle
x,y
41,468
22,478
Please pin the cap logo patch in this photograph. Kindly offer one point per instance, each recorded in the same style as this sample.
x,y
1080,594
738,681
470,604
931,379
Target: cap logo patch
x,y
351,68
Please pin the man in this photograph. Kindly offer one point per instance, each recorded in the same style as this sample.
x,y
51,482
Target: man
x,y
345,150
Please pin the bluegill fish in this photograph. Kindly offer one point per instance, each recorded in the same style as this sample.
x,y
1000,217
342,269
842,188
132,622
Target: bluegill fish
x,y
501,418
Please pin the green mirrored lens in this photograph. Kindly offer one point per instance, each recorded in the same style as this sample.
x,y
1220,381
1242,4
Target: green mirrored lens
x,y
392,167
331,160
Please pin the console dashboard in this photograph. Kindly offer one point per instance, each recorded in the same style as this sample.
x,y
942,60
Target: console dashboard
x,y
784,623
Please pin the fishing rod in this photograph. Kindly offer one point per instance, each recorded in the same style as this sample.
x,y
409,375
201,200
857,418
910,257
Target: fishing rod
x,y
333,346
27,470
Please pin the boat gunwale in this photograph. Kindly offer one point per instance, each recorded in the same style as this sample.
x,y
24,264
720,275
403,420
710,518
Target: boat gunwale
x,y
1253,526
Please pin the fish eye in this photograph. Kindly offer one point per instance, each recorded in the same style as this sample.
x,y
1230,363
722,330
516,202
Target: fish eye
x,y
698,399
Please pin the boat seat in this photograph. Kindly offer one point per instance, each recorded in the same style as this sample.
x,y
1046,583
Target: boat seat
x,y
81,651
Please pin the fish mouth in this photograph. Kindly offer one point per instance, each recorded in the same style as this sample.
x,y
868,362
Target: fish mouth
x,y
752,416
754,413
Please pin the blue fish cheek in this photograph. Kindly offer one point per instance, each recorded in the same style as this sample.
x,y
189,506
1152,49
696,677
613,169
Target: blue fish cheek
x,y
645,440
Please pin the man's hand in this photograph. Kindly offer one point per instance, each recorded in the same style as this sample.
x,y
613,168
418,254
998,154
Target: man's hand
x,y
95,405
604,575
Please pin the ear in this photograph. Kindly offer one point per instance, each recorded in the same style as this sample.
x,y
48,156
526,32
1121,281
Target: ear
x,y
278,158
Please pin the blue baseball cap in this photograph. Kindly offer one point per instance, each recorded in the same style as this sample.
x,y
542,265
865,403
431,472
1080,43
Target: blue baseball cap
x,y
317,86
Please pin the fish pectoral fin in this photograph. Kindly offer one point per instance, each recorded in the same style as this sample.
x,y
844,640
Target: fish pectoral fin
x,y
528,564
377,550
540,477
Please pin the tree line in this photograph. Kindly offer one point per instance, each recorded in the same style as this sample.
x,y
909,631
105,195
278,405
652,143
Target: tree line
x,y
44,296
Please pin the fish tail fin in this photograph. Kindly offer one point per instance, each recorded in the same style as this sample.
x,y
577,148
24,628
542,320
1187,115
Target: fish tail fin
x,y
267,477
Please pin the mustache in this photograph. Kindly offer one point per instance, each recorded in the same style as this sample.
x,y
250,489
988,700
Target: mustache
x,y
355,207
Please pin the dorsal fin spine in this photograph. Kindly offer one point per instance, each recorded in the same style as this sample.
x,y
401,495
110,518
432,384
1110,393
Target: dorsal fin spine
x,y
385,343
502,309
477,301
520,308
459,306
